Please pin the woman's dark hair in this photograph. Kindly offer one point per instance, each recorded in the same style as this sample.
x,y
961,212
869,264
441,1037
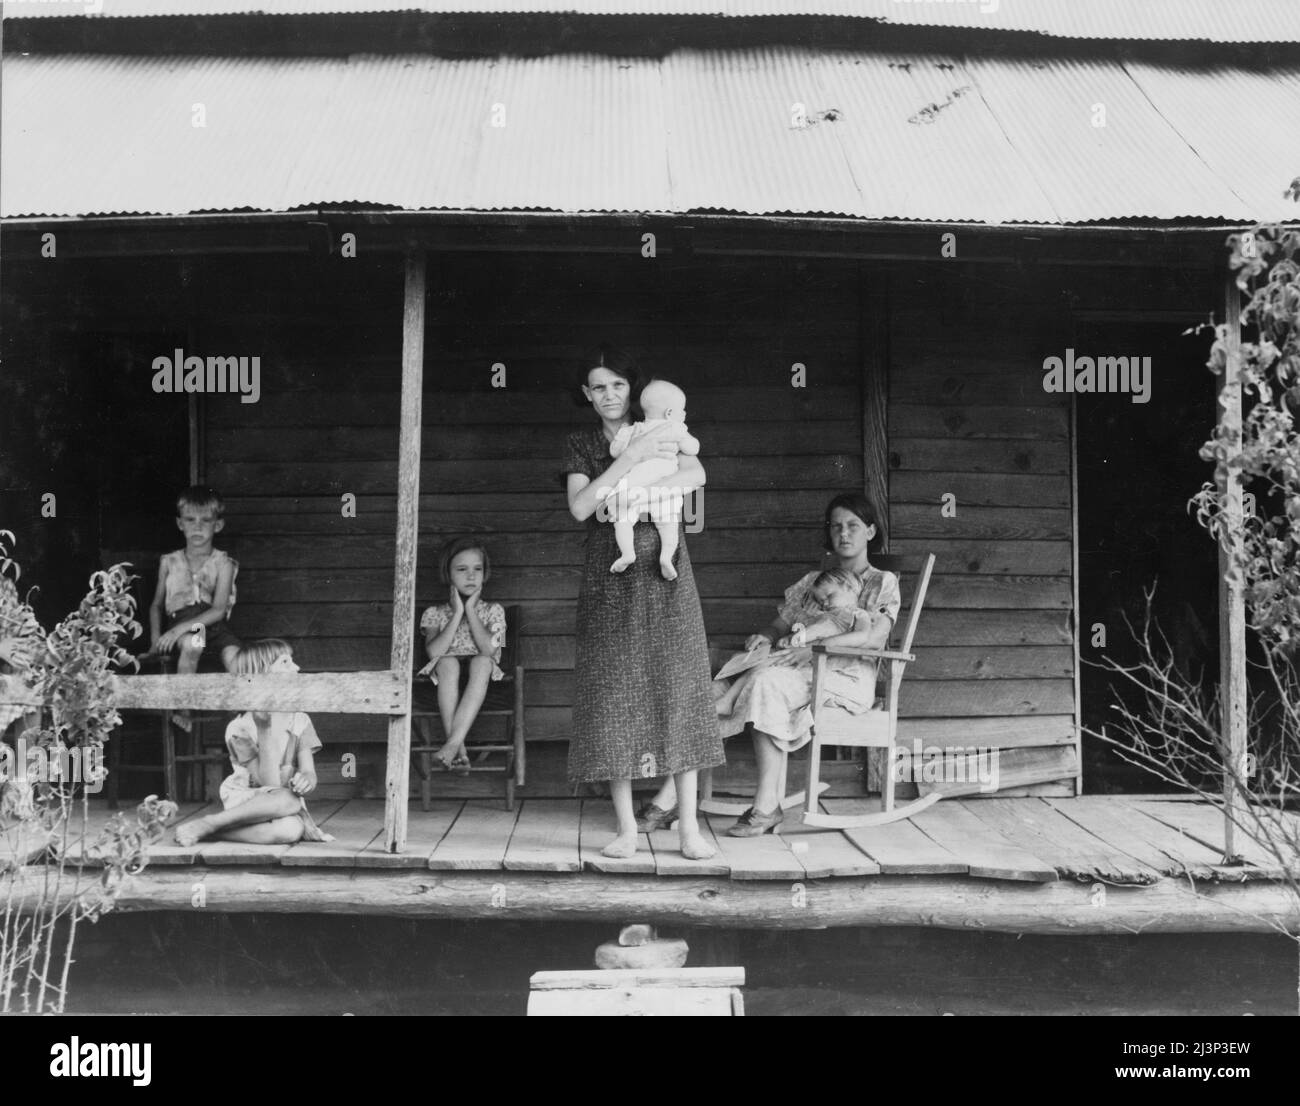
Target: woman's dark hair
x,y
454,549
617,361
856,503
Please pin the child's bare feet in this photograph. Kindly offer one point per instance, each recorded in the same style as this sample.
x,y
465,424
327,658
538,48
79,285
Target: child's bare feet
x,y
622,564
452,756
622,847
192,832
667,571
694,846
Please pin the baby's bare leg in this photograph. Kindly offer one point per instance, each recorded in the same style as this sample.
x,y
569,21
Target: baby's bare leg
x,y
624,523
667,546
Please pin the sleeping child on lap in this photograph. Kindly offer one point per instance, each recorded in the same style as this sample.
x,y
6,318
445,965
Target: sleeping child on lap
x,y
833,610
271,753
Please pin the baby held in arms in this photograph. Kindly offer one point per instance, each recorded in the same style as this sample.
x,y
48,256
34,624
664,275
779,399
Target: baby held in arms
x,y
835,595
664,405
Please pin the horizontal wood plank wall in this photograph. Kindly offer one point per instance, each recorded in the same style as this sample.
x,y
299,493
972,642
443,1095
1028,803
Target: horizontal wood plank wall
x,y
970,425
967,416
730,333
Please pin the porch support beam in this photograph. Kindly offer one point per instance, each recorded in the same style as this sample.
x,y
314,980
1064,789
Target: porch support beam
x,y
1063,907
1232,599
397,780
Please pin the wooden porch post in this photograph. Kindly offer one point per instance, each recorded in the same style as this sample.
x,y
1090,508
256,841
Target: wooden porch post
x,y
1232,600
873,344
408,534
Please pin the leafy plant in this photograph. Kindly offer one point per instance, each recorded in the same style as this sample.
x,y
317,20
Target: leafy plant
x,y
1170,725
70,671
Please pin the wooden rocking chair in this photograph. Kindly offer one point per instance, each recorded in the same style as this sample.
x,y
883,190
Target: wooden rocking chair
x,y
878,728
875,729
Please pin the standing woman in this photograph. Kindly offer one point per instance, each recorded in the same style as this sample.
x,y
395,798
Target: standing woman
x,y
642,699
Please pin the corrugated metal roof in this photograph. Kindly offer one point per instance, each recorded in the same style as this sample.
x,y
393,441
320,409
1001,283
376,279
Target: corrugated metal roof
x,y
771,131
1209,20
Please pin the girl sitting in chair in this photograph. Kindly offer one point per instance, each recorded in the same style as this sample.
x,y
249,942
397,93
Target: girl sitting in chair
x,y
465,626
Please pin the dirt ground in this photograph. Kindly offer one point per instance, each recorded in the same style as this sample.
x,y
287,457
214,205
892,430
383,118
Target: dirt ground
x,y
263,964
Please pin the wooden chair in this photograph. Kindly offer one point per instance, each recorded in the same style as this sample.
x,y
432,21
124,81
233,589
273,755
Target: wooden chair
x,y
191,753
876,728
504,705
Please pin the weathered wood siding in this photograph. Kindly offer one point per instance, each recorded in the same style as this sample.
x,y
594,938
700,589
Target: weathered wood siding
x,y
980,475
966,412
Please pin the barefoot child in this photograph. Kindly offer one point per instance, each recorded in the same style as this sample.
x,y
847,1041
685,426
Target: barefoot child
x,y
271,754
196,587
465,626
664,405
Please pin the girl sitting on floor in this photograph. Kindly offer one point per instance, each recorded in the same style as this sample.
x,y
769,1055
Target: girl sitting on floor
x,y
465,626
271,754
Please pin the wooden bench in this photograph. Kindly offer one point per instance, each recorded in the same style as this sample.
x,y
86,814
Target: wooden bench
x,y
665,992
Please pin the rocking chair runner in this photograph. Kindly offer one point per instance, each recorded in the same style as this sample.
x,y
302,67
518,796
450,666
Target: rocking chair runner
x,y
833,725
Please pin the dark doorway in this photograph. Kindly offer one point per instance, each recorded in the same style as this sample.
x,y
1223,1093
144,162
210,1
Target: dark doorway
x,y
1138,466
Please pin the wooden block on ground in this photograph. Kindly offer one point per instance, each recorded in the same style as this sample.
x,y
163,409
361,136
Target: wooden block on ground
x,y
545,838
353,825
825,853
1149,840
899,848
425,829
765,857
478,838
679,992
986,852
597,830
670,862
1038,828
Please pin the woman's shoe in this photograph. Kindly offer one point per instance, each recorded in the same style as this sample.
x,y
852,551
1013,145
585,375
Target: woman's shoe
x,y
650,818
754,824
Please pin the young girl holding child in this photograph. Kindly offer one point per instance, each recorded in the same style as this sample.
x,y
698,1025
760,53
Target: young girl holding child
x,y
271,753
465,626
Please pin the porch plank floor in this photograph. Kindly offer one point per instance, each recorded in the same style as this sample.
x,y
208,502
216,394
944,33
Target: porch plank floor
x,y
900,848
595,831
1037,827
477,840
545,837
425,830
1205,824
1115,839
987,852
826,855
353,825
765,857
1144,837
